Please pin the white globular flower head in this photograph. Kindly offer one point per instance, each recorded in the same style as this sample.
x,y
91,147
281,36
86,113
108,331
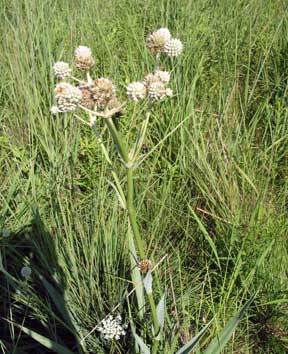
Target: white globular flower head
x,y
158,92
173,48
111,328
169,92
158,76
6,233
103,91
136,91
26,272
163,76
54,110
156,40
67,96
61,69
83,58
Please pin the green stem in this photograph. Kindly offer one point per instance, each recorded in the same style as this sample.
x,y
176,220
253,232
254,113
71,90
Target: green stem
x,y
114,174
155,323
139,143
118,140
121,146
132,214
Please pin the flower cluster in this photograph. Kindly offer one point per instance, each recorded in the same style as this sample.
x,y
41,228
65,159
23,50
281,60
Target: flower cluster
x,y
161,41
83,58
145,265
26,272
112,328
61,69
92,94
100,94
6,233
67,96
153,86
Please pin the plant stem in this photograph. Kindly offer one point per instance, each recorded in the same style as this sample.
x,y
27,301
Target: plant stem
x,y
113,172
132,214
118,140
155,323
122,148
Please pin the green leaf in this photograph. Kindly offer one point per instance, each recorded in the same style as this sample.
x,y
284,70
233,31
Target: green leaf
x,y
161,312
58,300
147,282
186,349
221,340
206,234
136,276
142,345
48,343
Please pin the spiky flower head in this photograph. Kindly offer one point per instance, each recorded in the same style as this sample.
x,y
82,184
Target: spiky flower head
x,y
145,265
103,91
111,328
26,272
67,96
61,70
156,40
157,91
6,233
54,110
136,91
173,48
87,96
163,76
83,58
159,75
113,104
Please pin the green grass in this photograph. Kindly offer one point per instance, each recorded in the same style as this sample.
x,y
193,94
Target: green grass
x,y
212,196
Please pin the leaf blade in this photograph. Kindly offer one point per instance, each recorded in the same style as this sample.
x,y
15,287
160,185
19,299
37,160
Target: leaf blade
x,y
186,349
220,341
46,342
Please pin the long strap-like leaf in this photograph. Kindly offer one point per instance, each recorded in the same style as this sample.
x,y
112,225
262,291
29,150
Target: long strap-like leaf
x,y
221,340
186,349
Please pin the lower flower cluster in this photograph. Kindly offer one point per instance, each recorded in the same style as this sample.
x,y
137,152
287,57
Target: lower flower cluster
x,y
112,328
154,87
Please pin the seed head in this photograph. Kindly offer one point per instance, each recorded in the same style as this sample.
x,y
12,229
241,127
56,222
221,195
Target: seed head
x,y
6,233
163,76
111,328
145,265
61,69
173,48
158,76
87,97
67,96
136,91
157,91
103,91
54,110
83,58
156,40
26,272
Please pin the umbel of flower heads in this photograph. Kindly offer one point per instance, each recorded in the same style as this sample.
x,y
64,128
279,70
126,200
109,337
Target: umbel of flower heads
x,y
100,94
111,328
96,95
154,86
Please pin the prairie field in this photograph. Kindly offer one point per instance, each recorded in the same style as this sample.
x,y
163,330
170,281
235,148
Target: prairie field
x,y
210,185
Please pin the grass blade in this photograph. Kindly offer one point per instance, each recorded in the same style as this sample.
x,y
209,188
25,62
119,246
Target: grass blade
x,y
46,342
186,349
221,340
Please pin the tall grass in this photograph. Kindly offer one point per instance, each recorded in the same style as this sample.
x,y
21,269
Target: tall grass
x,y
212,196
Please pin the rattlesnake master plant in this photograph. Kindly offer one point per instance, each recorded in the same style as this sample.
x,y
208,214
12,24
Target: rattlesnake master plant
x,y
90,99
